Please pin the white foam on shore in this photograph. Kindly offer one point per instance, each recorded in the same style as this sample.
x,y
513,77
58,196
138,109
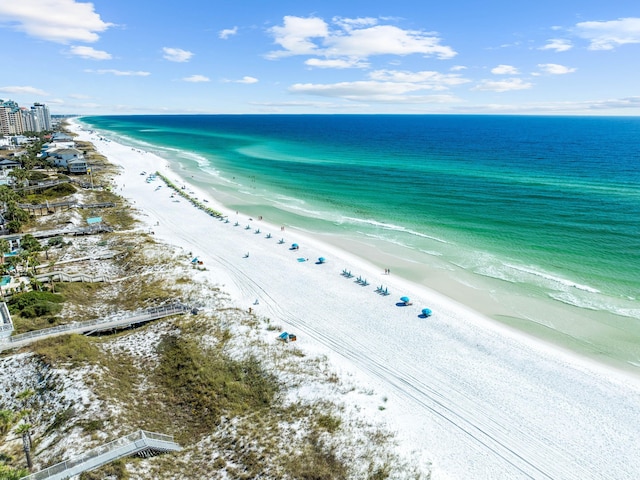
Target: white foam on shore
x,y
480,399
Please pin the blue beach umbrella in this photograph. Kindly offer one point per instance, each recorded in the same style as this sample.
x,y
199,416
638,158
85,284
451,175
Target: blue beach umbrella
x,y
426,312
321,260
295,245
404,299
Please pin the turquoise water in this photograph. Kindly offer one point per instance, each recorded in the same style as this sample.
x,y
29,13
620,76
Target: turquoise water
x,y
533,220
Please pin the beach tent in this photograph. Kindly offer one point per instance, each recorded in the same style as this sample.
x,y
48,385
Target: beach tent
x,y
426,312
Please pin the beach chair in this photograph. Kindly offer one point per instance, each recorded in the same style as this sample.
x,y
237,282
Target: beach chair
x,y
268,235
236,224
281,241
359,279
379,289
349,274
364,283
248,227
386,292
257,231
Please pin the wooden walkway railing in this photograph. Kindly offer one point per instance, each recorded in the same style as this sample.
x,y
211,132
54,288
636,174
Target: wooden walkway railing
x,y
141,443
92,326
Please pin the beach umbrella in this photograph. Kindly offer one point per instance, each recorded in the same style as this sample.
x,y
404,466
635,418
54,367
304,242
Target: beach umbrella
x,y
426,312
404,299
321,260
295,245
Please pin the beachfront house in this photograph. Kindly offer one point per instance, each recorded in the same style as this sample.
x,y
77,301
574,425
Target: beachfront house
x,y
77,166
58,137
6,167
61,157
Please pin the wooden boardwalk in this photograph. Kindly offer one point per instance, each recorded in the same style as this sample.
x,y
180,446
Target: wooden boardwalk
x,y
52,206
141,443
92,326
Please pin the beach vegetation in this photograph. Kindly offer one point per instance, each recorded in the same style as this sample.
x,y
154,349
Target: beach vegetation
x,y
11,473
67,350
33,304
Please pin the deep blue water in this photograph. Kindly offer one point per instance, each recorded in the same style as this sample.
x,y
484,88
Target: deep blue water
x,y
550,205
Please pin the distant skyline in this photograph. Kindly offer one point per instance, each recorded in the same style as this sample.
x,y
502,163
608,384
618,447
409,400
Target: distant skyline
x,y
574,57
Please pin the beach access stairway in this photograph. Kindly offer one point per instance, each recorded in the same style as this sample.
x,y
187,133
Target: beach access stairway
x,y
93,326
58,232
52,206
141,443
75,277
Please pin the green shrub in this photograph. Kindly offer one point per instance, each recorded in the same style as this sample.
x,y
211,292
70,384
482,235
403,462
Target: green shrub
x,y
35,304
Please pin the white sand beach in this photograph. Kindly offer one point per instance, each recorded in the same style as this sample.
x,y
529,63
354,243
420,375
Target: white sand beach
x,y
477,399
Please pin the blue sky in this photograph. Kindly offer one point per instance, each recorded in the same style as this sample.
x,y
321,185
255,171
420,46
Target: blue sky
x,y
349,56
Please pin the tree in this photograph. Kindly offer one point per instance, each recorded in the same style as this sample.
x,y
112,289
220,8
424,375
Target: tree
x,y
19,175
6,421
5,247
9,473
30,243
24,430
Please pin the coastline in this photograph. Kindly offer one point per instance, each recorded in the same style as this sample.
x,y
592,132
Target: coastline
x,y
478,366
559,305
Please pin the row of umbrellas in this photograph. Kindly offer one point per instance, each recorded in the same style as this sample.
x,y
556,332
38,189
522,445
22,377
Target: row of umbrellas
x,y
426,312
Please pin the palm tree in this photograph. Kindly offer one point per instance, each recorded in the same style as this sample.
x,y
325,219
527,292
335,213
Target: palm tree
x,y
6,421
24,430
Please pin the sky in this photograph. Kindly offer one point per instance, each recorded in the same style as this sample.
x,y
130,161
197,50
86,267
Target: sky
x,y
542,57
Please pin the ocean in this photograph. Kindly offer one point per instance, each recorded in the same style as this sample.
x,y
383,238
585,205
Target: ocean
x,y
533,221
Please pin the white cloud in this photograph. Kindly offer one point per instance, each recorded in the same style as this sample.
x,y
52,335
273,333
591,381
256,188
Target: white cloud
x,y
558,45
60,21
458,68
349,24
372,91
386,40
610,34
196,79
503,85
89,53
247,80
296,34
555,69
425,79
227,32
176,54
23,91
352,40
120,73
504,70
336,63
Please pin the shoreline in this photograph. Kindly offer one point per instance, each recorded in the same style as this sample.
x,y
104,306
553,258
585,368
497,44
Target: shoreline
x,y
547,306
455,352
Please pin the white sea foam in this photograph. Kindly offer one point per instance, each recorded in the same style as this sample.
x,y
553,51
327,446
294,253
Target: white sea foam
x,y
395,228
547,276
597,304
431,252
